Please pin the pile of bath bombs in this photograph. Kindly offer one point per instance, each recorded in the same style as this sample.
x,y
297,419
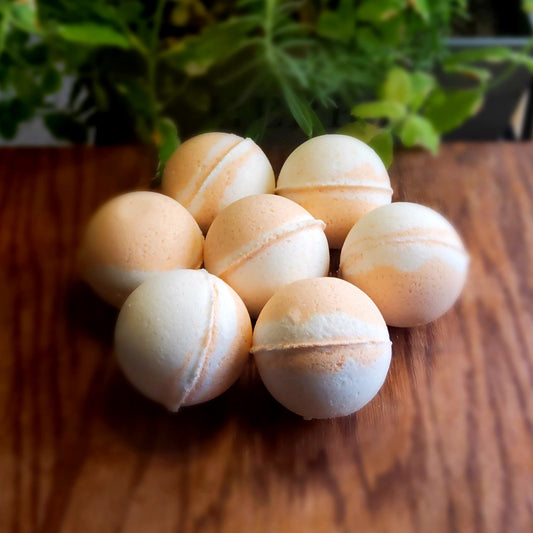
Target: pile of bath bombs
x,y
321,344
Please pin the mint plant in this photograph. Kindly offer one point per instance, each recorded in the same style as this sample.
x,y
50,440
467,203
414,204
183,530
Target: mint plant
x,y
161,70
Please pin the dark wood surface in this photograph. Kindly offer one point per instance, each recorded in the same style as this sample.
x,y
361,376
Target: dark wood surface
x,y
446,446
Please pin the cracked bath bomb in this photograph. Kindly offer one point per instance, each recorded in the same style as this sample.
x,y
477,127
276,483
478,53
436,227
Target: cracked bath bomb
x,y
262,242
210,171
409,259
338,179
321,347
183,337
133,237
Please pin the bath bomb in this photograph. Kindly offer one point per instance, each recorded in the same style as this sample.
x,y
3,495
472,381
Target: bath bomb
x,y
409,259
133,237
210,171
338,179
321,347
182,337
262,242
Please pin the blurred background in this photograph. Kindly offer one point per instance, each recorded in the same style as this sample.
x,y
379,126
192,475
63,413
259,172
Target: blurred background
x,y
390,72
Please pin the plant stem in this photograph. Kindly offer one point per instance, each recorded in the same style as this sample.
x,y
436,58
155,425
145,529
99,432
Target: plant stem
x,y
270,6
158,15
270,52
151,63
510,69
137,43
154,43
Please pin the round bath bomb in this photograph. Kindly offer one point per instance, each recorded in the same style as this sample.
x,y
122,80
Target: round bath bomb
x,y
212,170
183,337
409,259
133,237
338,179
262,242
321,347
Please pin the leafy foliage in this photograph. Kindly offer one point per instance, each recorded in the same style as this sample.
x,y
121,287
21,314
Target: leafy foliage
x,y
143,69
414,108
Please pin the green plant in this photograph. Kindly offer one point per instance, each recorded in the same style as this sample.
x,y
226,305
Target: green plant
x,y
143,68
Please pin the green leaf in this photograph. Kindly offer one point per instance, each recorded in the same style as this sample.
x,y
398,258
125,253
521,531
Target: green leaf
x,y
63,126
12,113
136,94
142,106
448,109
527,6
167,141
493,54
20,109
475,73
382,144
166,138
51,81
24,16
257,128
333,26
5,72
100,96
421,86
25,85
340,24
288,29
393,33
302,112
368,40
418,131
360,129
8,125
380,109
318,127
93,35
523,59
397,86
379,10
299,109
421,7
292,67
196,54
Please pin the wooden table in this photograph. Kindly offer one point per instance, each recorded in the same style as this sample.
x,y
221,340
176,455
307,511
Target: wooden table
x,y
446,446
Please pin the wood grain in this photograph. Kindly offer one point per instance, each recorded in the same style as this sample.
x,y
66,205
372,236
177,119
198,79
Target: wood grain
x,y
447,445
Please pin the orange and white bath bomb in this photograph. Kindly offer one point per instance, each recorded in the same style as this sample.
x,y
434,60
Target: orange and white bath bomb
x,y
409,259
133,237
262,242
210,171
338,179
183,337
322,348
